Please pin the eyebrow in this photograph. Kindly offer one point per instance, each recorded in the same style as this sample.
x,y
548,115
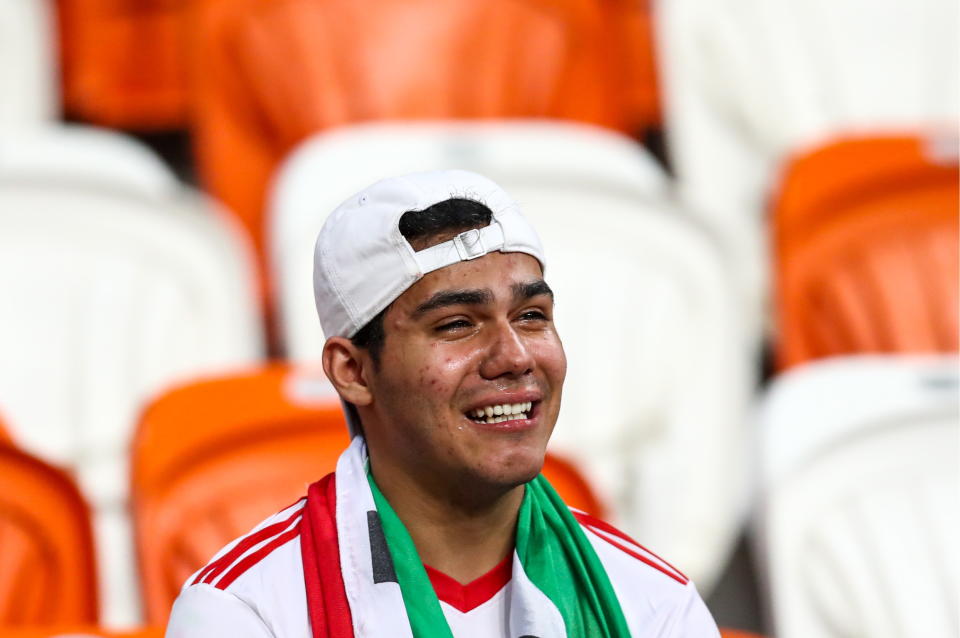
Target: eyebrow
x,y
480,296
469,297
530,289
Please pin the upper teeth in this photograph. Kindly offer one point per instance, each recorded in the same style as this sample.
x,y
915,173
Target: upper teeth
x,y
502,412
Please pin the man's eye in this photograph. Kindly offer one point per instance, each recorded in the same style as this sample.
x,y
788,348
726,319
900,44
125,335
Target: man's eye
x,y
456,324
533,315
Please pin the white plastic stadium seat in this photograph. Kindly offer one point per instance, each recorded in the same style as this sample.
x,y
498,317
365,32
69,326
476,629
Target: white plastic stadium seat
x,y
28,93
108,296
859,522
747,82
658,367
87,156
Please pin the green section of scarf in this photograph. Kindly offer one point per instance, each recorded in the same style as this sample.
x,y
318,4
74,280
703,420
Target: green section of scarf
x,y
556,556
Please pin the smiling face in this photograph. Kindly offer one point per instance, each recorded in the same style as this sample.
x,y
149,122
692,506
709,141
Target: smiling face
x,y
475,338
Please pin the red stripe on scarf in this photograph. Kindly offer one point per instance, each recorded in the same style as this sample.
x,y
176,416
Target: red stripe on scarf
x,y
326,596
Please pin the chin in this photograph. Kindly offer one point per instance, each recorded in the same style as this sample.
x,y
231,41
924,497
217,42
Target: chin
x,y
494,478
515,468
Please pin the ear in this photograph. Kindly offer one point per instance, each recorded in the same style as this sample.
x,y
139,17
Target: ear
x,y
344,365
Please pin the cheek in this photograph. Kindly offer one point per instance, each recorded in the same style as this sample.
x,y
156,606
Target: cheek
x,y
553,359
428,379
440,371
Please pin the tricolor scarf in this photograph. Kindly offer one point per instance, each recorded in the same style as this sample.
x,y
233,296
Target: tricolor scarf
x,y
364,578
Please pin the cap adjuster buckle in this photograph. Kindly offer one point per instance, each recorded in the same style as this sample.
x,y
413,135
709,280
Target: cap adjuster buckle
x,y
469,244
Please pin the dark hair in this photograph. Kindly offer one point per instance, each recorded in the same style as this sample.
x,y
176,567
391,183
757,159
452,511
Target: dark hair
x,y
423,228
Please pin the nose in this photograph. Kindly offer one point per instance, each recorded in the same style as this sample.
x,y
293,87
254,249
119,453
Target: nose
x,y
507,355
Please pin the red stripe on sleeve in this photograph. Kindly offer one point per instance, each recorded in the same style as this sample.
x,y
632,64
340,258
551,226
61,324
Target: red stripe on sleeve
x,y
640,557
252,559
214,569
594,524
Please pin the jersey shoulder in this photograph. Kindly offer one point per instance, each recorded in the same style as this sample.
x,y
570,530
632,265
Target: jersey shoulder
x,y
262,572
255,551
615,545
657,599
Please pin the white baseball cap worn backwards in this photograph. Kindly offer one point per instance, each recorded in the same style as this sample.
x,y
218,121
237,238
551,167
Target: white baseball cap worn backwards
x,y
362,262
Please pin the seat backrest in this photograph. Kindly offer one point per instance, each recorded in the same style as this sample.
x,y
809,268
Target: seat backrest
x,y
747,82
213,458
330,167
47,568
858,521
27,75
790,73
109,297
641,295
270,73
88,157
82,631
124,63
866,251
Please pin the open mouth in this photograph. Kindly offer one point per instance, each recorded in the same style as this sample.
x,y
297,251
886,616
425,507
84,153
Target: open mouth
x,y
501,412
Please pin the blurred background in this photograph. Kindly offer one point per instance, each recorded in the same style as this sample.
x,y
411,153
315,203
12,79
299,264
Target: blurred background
x,y
750,209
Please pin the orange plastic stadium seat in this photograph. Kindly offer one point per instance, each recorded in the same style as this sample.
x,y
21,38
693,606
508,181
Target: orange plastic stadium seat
x,y
124,62
866,249
47,569
572,486
270,72
214,458
736,633
73,631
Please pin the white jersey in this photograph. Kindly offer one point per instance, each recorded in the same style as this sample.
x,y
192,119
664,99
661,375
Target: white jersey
x,y
254,588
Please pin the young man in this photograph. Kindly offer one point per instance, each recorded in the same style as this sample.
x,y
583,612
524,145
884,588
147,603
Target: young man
x,y
442,346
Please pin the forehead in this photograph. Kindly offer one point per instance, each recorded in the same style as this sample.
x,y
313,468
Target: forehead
x,y
496,272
